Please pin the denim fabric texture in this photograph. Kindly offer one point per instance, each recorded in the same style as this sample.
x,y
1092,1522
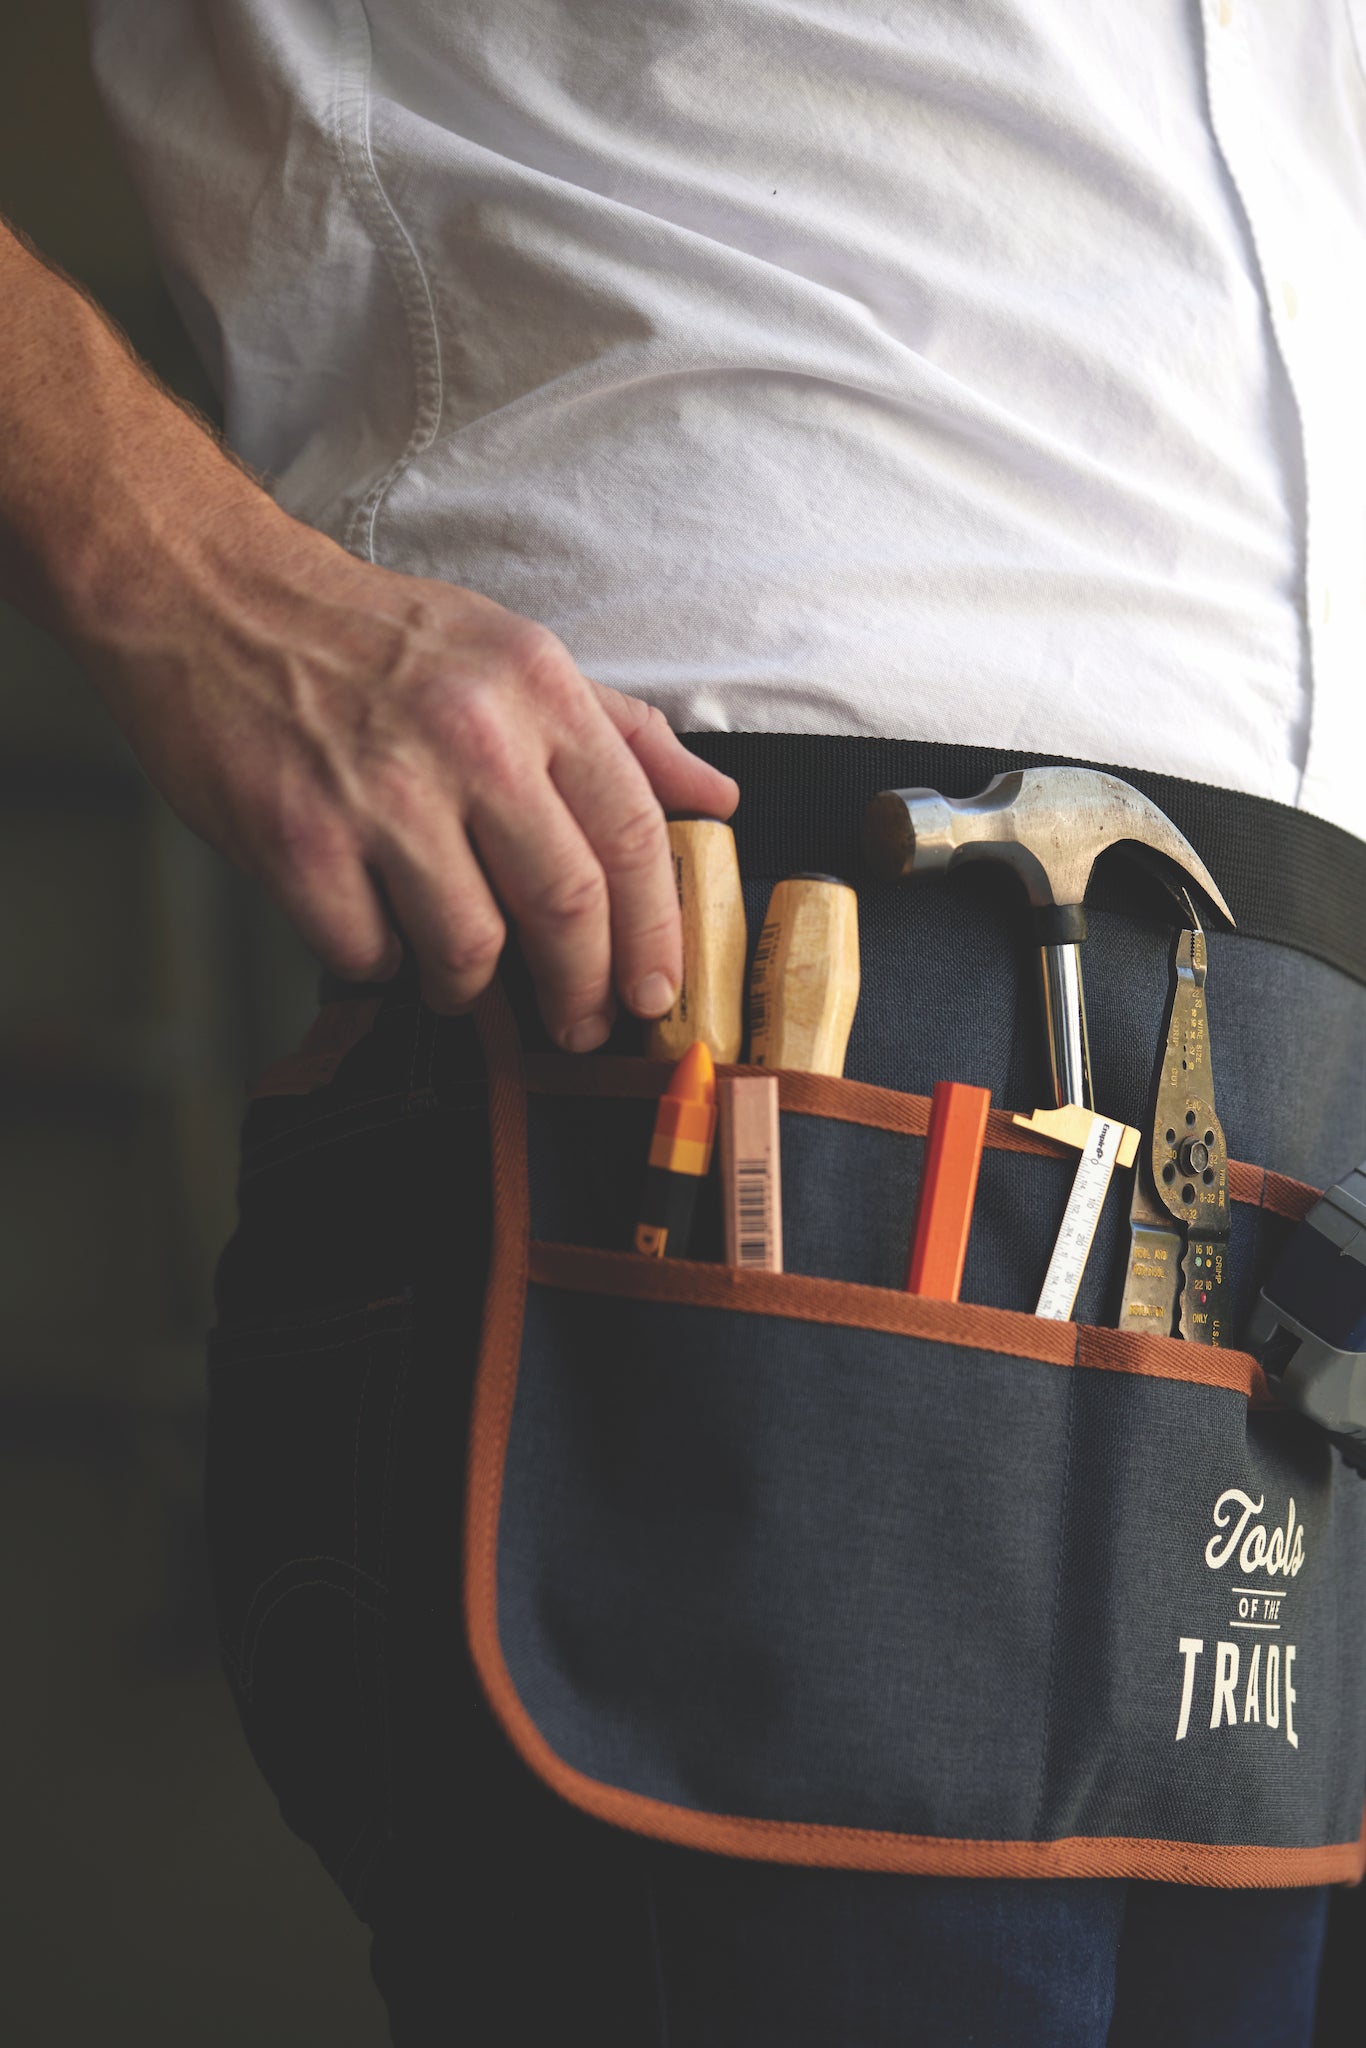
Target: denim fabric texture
x,y
348,1313
805,1573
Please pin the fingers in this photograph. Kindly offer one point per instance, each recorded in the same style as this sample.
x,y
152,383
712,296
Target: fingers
x,y
479,794
619,815
334,906
446,910
680,780
556,892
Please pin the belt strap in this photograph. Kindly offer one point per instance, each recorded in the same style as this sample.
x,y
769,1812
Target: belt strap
x,y
1288,876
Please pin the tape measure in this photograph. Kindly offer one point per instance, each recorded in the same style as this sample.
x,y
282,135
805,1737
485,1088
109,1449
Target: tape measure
x,y
1072,1247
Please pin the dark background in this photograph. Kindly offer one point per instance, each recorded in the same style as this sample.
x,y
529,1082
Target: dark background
x,y
150,1892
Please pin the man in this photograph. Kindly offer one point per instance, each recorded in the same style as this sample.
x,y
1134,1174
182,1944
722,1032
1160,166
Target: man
x,y
962,374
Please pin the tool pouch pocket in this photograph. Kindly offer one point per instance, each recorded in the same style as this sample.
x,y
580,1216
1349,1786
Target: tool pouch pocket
x,y
799,1567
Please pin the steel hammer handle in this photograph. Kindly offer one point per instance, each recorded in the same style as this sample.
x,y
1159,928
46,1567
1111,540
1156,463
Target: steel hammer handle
x,y
1064,1014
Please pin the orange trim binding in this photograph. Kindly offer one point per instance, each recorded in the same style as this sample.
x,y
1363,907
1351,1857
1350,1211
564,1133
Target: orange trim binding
x,y
622,1076
1278,1192
699,1283
824,1846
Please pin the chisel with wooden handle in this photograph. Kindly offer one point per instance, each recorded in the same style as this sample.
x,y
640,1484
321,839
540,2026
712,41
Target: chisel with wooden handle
x,y
803,990
710,1003
805,981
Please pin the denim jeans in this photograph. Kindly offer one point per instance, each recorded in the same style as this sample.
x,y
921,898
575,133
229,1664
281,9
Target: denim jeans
x,y
348,1312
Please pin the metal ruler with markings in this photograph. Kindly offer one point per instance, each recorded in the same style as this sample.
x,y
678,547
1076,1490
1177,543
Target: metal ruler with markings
x,y
1076,1234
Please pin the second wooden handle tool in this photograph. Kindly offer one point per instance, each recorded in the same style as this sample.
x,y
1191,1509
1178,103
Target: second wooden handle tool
x,y
805,982
710,1003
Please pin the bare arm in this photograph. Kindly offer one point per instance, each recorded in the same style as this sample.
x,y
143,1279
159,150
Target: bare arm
x,y
341,732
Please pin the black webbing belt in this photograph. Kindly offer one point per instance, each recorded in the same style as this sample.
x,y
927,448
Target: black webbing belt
x,y
1288,876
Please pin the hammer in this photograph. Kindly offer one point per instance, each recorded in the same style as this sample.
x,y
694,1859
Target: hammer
x,y
1049,824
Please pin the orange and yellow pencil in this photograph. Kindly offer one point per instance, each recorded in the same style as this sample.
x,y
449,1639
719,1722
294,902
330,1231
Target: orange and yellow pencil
x,y
680,1155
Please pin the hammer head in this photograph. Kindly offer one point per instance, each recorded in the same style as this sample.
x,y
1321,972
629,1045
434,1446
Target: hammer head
x,y
1049,824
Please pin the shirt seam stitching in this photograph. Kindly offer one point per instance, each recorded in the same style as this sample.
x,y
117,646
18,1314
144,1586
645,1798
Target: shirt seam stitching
x,y
381,221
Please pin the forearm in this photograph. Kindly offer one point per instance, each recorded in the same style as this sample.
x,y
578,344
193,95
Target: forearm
x,y
328,724
111,492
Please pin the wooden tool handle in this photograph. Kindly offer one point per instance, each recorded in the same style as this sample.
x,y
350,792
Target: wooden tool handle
x,y
805,983
710,1002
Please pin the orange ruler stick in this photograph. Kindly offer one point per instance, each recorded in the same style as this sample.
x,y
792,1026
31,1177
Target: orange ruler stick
x,y
948,1188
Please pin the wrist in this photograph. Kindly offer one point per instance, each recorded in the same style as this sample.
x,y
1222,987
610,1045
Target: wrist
x,y
137,501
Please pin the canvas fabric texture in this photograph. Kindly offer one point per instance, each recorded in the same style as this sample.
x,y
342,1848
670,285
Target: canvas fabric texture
x,y
796,1567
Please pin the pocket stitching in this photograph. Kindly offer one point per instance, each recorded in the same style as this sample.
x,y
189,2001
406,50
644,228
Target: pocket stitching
x,y
282,1147
225,1340
625,1077
243,1660
1003,1331
801,1842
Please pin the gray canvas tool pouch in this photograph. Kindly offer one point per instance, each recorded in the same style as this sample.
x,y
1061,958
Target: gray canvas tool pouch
x,y
797,1566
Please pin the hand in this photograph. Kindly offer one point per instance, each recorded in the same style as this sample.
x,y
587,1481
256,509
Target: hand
x,y
364,742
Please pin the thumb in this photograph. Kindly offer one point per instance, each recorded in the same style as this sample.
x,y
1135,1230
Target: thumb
x,y
679,779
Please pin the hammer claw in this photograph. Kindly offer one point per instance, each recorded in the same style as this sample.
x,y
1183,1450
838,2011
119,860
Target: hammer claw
x,y
1050,825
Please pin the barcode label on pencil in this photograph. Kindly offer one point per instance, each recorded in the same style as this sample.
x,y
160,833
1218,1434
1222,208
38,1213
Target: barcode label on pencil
x,y
752,1185
753,1212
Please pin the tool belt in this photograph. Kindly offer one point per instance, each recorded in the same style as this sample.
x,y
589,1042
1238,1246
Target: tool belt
x,y
799,1566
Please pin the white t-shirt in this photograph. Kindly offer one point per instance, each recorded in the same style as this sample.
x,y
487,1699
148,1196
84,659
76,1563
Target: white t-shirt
x,y
969,370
